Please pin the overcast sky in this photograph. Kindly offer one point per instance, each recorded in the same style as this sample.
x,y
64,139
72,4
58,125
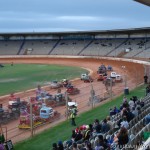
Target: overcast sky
x,y
71,15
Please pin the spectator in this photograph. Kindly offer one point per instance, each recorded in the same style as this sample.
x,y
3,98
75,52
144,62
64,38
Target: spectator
x,y
60,145
97,126
141,103
116,110
130,115
138,106
139,110
73,134
124,123
122,137
124,112
134,112
124,99
147,119
111,112
91,127
78,136
147,90
109,139
100,143
87,134
88,145
105,126
131,103
145,79
74,146
125,104
54,146
121,106
110,123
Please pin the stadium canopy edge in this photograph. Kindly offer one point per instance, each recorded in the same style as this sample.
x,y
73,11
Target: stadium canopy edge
x,y
145,2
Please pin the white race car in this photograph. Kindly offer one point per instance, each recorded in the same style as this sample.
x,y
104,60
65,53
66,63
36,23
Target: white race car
x,y
55,85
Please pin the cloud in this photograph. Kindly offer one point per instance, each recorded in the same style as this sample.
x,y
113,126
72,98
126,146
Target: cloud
x,y
74,15
78,18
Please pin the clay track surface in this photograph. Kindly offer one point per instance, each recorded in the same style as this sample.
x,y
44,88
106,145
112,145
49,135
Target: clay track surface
x,y
134,73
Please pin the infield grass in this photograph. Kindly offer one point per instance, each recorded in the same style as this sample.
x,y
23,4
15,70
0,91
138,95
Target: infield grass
x,y
63,130
21,77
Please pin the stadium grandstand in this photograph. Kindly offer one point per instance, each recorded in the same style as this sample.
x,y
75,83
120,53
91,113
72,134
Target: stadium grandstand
x,y
129,43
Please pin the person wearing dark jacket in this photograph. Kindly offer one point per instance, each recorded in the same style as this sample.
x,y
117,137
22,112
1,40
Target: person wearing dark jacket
x,y
145,79
54,146
60,145
122,137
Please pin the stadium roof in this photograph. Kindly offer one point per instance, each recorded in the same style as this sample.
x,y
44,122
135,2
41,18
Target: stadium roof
x,y
117,31
146,2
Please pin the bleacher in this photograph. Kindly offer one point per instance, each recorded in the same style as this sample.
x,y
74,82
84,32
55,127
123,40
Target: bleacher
x,y
39,47
69,47
8,47
112,47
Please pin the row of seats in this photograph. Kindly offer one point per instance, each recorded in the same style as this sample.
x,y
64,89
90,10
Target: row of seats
x,y
97,47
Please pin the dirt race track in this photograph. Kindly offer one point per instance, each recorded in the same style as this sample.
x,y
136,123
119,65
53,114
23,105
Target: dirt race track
x,y
133,71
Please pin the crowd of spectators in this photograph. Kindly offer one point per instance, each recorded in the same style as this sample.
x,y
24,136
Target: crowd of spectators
x,y
91,136
147,89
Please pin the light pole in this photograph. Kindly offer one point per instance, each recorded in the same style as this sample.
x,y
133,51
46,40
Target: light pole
x,y
125,78
92,94
126,90
66,97
111,82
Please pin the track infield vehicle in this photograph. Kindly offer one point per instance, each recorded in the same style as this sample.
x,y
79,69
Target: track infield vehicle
x,y
55,84
46,114
65,82
57,100
86,78
118,78
109,81
72,90
109,68
102,69
101,76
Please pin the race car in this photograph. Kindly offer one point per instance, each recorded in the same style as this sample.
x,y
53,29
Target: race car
x,y
86,78
55,84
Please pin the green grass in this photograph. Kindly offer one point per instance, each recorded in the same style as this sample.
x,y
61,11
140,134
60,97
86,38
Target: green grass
x,y
63,130
21,77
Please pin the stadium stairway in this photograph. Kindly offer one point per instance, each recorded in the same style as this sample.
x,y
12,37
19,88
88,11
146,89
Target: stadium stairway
x,y
85,47
54,47
21,46
117,47
141,51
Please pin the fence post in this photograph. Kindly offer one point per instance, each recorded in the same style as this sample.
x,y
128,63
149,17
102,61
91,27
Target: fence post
x,y
66,98
92,95
31,118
